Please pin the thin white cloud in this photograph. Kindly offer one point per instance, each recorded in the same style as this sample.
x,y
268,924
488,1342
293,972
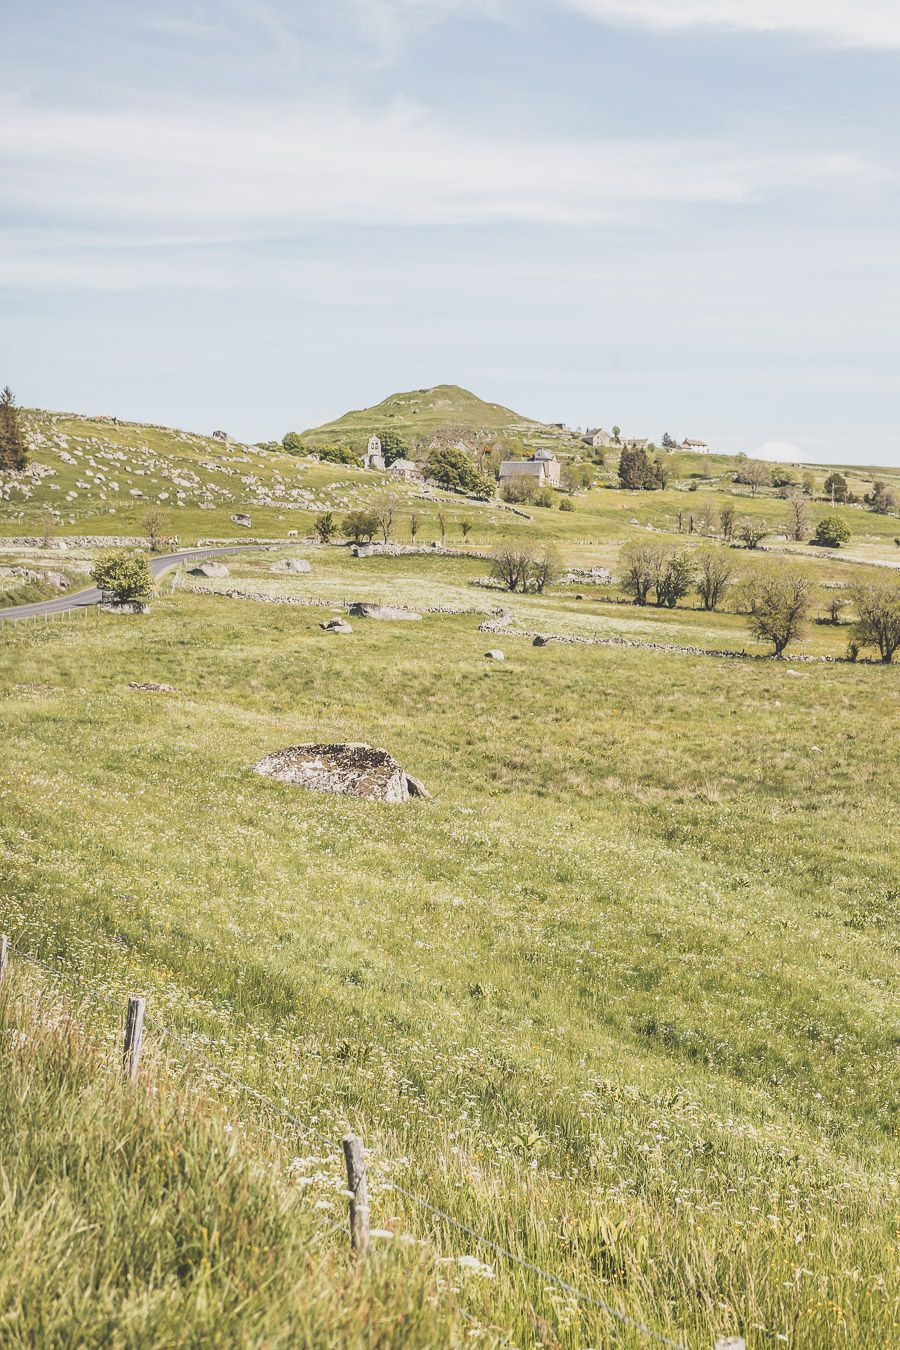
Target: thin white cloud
x,y
258,171
781,452
851,23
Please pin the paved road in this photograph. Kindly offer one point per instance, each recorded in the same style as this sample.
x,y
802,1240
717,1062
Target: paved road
x,y
91,596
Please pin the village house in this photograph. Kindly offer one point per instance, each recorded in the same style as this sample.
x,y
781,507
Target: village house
x,y
597,438
698,447
405,468
542,465
636,443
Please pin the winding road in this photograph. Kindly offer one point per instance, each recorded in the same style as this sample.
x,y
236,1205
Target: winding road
x,y
89,595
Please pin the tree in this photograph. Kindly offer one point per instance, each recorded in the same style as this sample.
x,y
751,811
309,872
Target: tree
x,y
660,472
576,477
383,508
617,435
640,570
13,455
674,580
798,516
123,575
520,488
667,443
335,454
881,499
752,531
511,564
782,477
325,526
393,446
714,573
544,570
808,483
544,497
451,468
878,615
834,606
755,474
781,606
48,525
154,523
836,487
293,443
360,526
831,532
413,525
726,521
442,524
566,504
465,528
635,469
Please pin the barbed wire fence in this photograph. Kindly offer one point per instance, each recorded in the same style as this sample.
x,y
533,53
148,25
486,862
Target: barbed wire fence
x,y
135,1023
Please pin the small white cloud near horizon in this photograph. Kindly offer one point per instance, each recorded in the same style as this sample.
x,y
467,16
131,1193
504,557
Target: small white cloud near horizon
x,y
845,23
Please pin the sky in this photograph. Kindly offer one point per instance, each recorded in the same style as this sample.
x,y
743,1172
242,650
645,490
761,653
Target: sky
x,y
253,215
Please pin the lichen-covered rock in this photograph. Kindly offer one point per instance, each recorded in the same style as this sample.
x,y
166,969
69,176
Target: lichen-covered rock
x,y
209,569
364,610
495,655
291,565
336,626
352,769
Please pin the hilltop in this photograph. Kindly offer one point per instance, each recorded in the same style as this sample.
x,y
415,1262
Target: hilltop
x,y
426,417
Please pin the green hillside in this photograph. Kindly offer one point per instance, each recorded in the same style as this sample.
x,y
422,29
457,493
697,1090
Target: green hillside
x,y
421,416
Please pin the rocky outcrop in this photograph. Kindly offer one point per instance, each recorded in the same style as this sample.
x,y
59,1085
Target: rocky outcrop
x,y
351,769
209,569
291,565
336,626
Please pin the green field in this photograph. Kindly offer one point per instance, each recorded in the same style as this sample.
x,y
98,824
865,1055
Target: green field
x,y
620,996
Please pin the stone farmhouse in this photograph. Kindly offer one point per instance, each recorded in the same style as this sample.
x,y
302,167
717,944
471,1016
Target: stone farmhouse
x,y
542,465
597,438
405,468
698,447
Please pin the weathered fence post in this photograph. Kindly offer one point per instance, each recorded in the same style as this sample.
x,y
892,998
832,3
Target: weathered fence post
x,y
4,956
355,1158
134,1037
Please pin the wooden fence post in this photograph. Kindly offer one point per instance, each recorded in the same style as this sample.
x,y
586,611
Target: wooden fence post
x,y
4,956
355,1158
134,1037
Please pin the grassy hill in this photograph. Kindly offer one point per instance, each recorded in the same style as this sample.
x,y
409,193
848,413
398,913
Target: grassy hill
x,y
424,416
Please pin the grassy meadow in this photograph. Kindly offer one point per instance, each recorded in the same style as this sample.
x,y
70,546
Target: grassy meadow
x,y
620,996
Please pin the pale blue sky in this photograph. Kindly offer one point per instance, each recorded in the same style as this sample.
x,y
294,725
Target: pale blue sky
x,y
252,214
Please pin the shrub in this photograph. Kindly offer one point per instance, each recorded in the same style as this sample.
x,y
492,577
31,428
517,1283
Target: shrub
x,y
511,564
335,454
567,504
752,531
123,575
831,532
715,570
836,487
881,499
518,489
393,446
325,526
293,443
544,497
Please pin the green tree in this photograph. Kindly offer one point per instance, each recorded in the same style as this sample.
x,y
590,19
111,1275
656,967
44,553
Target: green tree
x,y
674,580
360,526
782,604
714,573
753,531
13,455
325,526
831,532
335,454
451,468
877,606
293,443
726,521
566,504
123,575
544,497
636,470
617,435
881,499
393,446
154,523
836,487
640,564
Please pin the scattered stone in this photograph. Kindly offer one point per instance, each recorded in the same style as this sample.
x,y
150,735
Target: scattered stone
x,y
541,641
363,610
336,626
291,565
243,520
354,770
150,688
209,569
495,655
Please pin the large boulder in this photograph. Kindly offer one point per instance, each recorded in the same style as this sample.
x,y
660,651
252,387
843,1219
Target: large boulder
x,y
352,769
336,625
209,569
291,565
364,610
242,519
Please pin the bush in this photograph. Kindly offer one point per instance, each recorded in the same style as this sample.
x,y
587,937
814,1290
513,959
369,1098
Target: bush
x,y
567,504
123,575
878,616
781,606
831,532
335,454
293,443
544,497
519,489
393,446
325,526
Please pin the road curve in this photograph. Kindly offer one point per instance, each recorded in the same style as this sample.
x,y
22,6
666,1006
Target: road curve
x,y
89,595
